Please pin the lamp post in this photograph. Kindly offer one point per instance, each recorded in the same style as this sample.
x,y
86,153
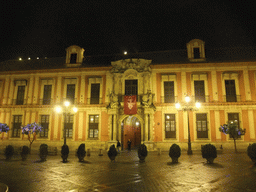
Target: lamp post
x,y
66,109
187,107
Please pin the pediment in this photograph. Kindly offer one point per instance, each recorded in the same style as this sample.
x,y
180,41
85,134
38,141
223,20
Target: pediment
x,y
139,65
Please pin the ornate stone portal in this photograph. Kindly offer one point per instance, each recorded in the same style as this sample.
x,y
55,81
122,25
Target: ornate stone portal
x,y
131,69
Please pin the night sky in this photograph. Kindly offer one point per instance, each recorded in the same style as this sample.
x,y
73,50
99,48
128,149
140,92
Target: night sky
x,y
46,28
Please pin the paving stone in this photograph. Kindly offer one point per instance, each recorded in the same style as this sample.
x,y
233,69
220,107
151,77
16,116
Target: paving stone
x,y
230,172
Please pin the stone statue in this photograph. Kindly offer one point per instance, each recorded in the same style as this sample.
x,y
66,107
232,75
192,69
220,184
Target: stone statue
x,y
113,100
147,99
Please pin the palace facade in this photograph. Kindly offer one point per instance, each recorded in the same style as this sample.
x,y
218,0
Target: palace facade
x,y
222,80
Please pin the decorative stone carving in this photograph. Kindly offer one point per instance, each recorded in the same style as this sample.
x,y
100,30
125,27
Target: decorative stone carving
x,y
113,98
147,99
140,65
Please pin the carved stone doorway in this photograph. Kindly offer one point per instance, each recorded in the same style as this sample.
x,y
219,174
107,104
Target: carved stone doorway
x,y
130,129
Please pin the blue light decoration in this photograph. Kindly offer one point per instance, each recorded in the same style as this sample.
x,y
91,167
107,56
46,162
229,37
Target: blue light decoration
x,y
233,130
4,128
31,129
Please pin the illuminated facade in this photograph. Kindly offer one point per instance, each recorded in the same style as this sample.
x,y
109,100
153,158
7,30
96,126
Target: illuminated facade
x,y
31,89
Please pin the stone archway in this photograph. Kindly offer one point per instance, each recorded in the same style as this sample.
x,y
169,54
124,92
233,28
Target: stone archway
x,y
131,127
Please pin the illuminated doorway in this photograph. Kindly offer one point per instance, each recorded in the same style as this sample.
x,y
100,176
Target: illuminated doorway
x,y
130,129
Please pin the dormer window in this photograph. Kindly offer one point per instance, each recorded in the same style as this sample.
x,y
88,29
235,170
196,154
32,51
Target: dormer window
x,y
73,58
196,50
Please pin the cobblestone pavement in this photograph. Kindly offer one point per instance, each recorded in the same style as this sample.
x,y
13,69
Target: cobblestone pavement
x,y
230,172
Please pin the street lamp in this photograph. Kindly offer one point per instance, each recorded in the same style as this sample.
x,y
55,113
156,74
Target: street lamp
x,y
66,110
187,107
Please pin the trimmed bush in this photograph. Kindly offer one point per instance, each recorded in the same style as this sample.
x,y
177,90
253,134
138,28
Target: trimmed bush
x,y
209,152
64,153
9,151
24,152
251,152
43,152
112,152
175,152
81,152
142,152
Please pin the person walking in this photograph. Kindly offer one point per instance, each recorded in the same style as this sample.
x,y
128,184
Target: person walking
x,y
118,145
129,142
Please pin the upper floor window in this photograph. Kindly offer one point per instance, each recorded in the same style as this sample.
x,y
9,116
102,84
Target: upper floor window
x,y
93,126
131,87
170,126
45,125
47,94
230,91
71,93
73,58
199,91
95,93
16,125
20,95
169,92
201,125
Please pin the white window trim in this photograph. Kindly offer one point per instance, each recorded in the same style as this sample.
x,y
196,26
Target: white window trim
x,y
94,80
168,78
47,82
70,81
99,126
208,126
18,83
200,77
165,111
230,76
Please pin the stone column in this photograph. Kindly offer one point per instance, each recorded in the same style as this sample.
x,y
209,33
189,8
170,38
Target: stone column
x,y
146,126
114,129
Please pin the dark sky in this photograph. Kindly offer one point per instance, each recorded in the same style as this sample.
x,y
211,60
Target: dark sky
x,y
45,28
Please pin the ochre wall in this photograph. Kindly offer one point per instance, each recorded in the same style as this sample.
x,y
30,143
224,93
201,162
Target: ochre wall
x,y
158,126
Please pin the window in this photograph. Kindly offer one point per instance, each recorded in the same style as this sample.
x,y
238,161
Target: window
x,y
68,126
95,93
196,53
16,125
71,93
73,58
20,95
45,125
234,118
131,87
93,126
169,92
199,91
47,94
201,125
230,90
170,126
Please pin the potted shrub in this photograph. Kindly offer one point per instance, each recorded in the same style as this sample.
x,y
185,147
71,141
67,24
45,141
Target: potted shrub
x,y
209,152
43,152
142,152
174,152
81,152
112,152
64,153
9,151
251,152
24,152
